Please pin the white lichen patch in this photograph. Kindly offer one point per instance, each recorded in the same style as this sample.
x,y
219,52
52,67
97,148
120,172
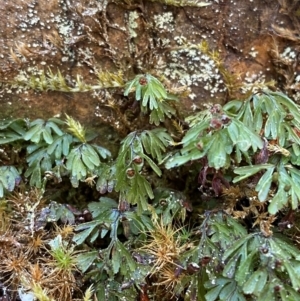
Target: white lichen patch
x,y
253,82
295,86
164,22
64,28
190,67
60,37
288,55
132,24
253,52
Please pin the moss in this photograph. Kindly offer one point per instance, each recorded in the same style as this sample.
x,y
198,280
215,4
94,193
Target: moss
x,y
182,3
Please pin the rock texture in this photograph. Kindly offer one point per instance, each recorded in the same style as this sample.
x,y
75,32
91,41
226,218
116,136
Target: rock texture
x,y
216,52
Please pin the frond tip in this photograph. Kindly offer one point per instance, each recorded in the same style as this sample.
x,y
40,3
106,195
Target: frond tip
x,y
88,293
76,128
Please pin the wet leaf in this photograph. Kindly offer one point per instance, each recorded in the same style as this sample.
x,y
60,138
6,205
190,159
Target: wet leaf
x,y
256,282
245,268
9,177
248,171
85,260
264,184
116,259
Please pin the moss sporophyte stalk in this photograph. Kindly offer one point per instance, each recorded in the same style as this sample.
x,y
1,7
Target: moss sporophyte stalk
x,y
204,212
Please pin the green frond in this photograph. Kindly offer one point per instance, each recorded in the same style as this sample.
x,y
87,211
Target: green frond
x,y
153,97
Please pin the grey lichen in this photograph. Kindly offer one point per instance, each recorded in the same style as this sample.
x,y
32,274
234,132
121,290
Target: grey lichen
x,y
132,24
191,67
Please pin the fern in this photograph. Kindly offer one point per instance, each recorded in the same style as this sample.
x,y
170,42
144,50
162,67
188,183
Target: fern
x,y
40,129
9,179
254,265
214,135
131,159
153,97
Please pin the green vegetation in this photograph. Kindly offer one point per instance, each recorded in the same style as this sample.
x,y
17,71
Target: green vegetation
x,y
141,238
183,3
50,81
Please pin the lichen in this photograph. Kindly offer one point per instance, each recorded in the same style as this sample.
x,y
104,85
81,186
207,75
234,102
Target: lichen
x,y
164,21
132,24
191,66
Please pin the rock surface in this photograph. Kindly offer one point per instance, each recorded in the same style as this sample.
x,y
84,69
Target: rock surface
x,y
256,42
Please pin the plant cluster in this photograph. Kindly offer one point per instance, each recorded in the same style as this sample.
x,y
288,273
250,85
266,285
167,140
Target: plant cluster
x,y
35,262
140,239
183,3
42,80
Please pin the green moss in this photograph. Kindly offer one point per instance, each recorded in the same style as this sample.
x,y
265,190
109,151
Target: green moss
x,y
183,3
